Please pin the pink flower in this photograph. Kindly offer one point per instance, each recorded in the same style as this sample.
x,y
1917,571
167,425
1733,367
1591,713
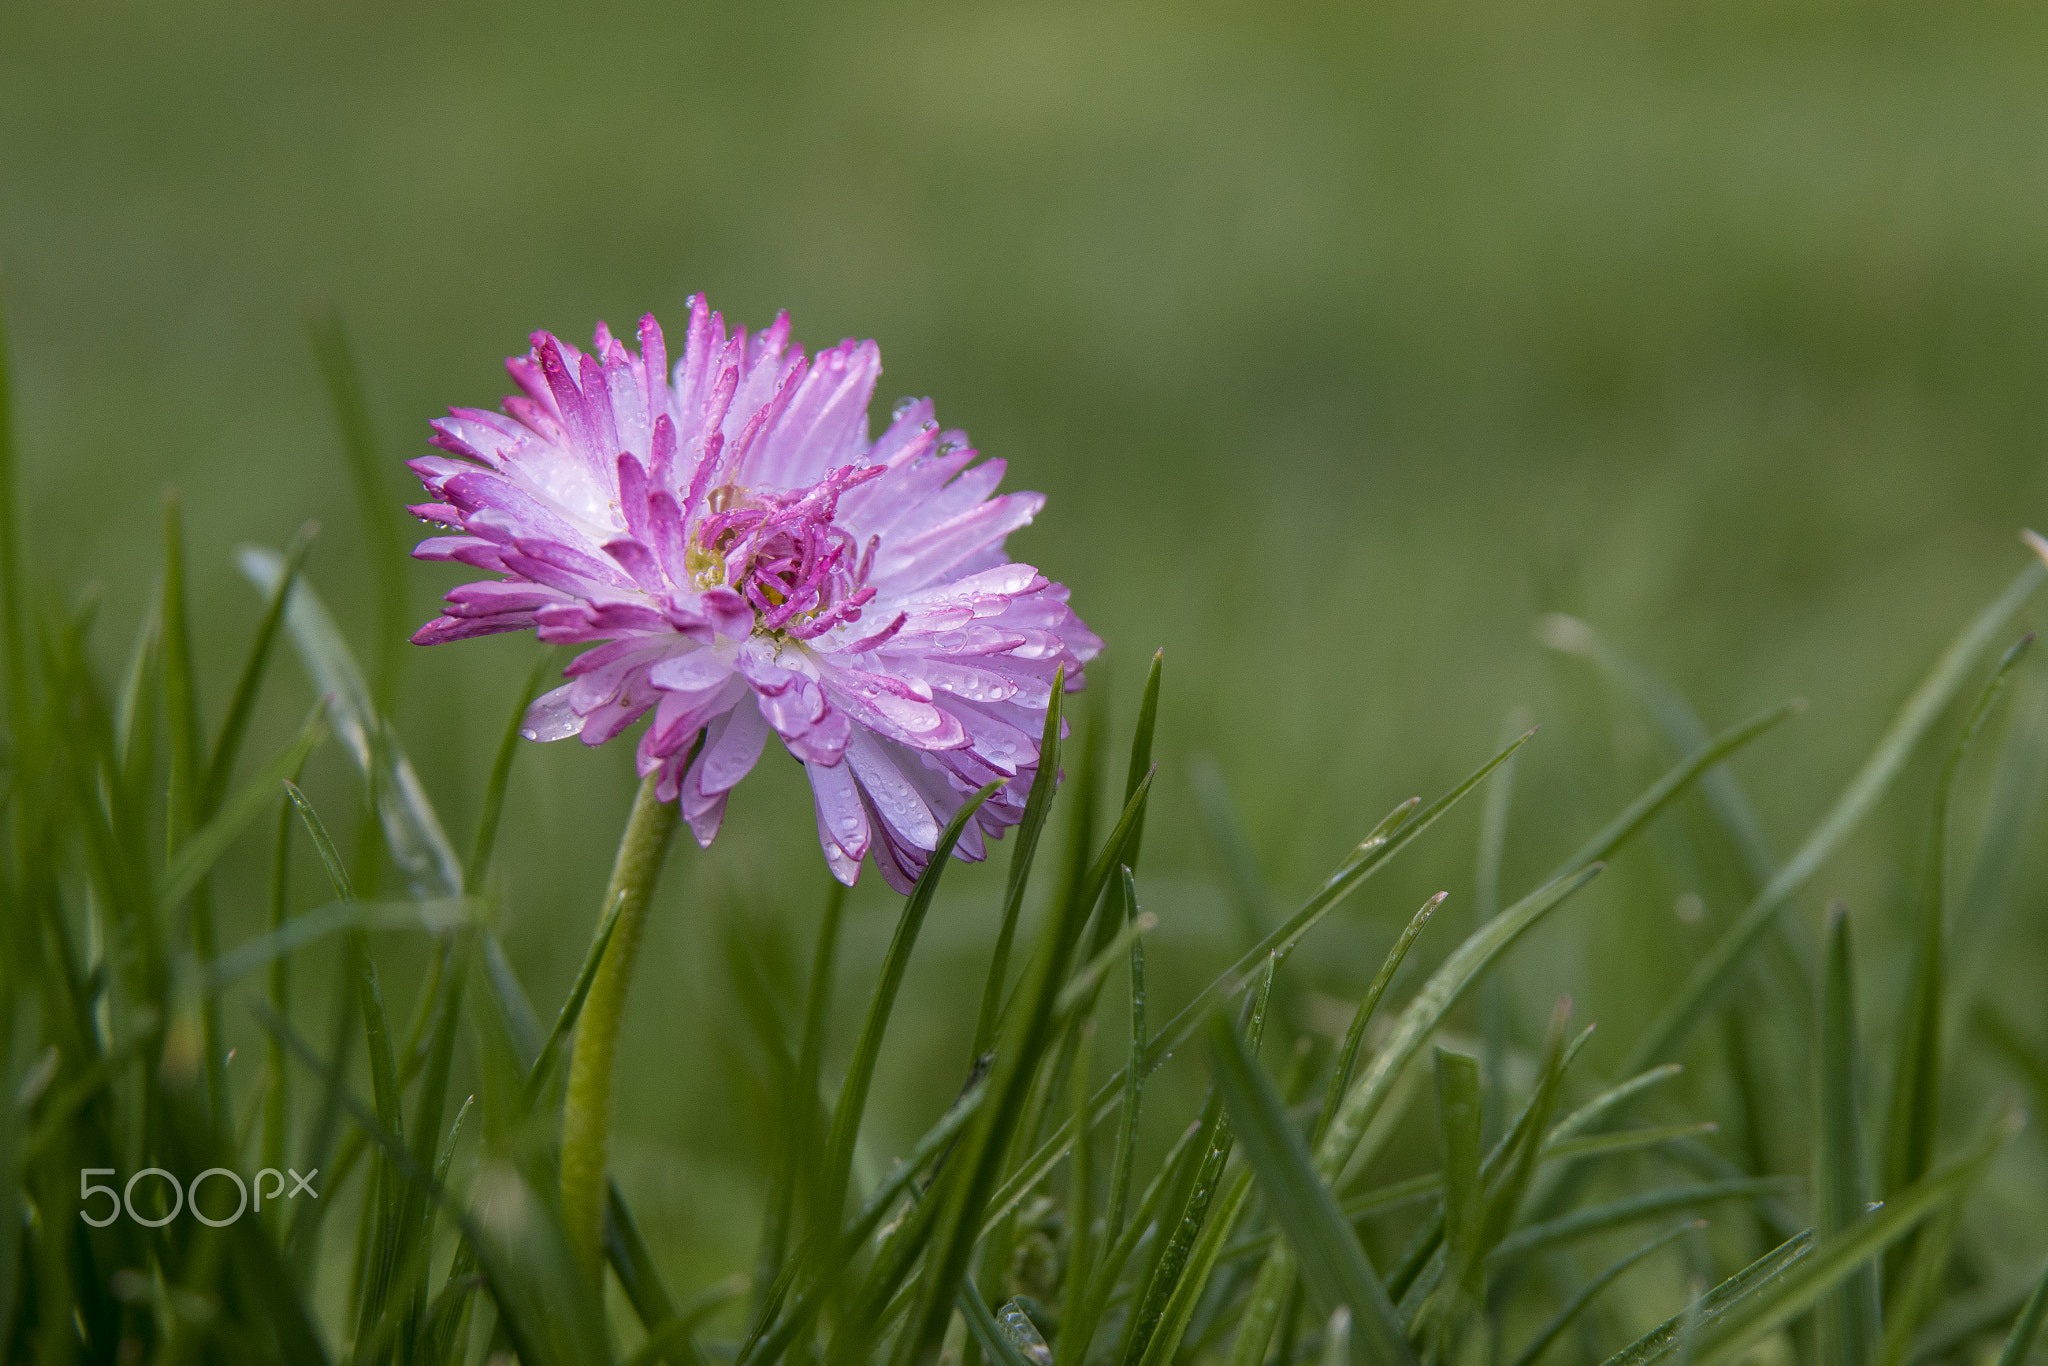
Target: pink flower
x,y
754,563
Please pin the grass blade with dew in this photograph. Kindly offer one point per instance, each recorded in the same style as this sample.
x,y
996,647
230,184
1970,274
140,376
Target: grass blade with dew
x,y
1179,1246
412,830
1036,805
1172,1178
2019,1344
1270,1289
860,1071
1081,1320
1354,1037
977,1168
379,512
1197,1280
1849,1322
1443,990
220,768
1580,1302
501,777
1916,1081
1007,1344
1398,829
1332,1262
1674,1025
1773,1266
1833,1260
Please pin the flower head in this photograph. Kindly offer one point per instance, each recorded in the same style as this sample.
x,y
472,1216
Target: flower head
x,y
746,561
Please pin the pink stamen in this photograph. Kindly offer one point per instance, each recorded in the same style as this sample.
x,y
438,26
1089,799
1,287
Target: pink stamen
x,y
785,556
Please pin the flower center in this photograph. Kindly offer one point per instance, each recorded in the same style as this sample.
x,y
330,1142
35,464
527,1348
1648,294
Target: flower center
x,y
801,572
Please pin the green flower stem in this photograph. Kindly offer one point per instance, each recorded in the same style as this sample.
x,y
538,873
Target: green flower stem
x,y
587,1108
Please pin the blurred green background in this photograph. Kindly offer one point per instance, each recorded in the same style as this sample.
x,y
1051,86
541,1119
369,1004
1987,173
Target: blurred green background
x,y
1346,340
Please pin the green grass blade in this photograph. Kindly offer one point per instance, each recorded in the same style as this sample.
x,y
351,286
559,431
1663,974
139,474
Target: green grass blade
x,y
1328,1252
1916,1083
1134,1083
860,1070
1578,1304
1354,1037
545,1061
766,1345
1493,838
1195,1282
415,1225
412,830
1682,729
1513,1162
1178,1248
501,778
1675,784
1007,1344
196,857
1585,1223
1589,1114
1078,995
1849,1321
524,1254
220,769
1692,1002
1426,1011
967,1201
384,1088
2019,1344
379,511
801,1154
1081,1248
1728,1337
633,1263
1400,827
1242,879
1457,1105
672,1339
181,694
183,809
1036,805
277,1106
1760,1274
